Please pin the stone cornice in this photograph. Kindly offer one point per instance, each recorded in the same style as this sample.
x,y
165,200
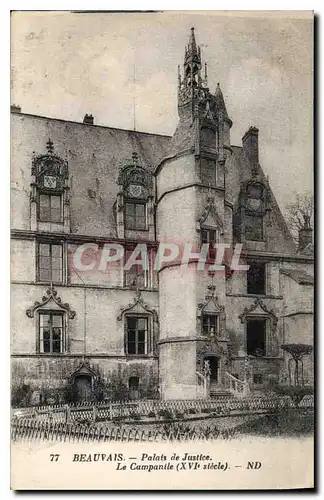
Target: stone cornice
x,y
25,234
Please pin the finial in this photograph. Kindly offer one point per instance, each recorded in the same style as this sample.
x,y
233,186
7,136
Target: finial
x,y
49,146
135,158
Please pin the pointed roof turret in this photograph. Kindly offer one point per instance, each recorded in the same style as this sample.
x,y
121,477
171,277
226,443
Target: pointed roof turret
x,y
220,103
192,51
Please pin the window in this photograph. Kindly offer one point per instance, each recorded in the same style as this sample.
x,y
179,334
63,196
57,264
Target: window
x,y
137,342
50,332
256,282
254,227
50,208
208,172
135,215
210,236
256,337
210,324
50,262
136,276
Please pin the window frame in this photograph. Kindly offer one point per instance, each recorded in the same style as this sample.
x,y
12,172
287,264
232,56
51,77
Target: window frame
x,y
135,202
217,322
211,254
50,194
255,216
40,340
147,341
51,243
255,263
204,168
266,334
146,273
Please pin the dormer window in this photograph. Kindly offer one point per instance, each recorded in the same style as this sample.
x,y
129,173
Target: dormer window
x,y
50,208
254,227
254,211
134,207
135,215
49,195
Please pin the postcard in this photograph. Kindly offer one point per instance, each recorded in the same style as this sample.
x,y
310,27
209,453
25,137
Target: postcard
x,y
162,229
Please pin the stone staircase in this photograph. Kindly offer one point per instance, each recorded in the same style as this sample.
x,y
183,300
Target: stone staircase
x,y
218,393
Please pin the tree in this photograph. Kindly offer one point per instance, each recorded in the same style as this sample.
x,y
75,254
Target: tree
x,y
300,213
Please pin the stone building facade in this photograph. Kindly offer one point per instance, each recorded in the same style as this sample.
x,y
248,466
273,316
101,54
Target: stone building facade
x,y
79,185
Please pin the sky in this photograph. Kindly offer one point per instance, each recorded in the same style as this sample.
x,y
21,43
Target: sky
x,y
64,65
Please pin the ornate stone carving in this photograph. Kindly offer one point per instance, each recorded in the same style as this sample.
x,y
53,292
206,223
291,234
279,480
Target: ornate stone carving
x,y
50,171
210,299
210,209
259,303
132,173
138,301
51,294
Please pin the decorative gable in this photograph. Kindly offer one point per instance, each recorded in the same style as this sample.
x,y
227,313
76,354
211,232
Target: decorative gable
x,y
138,306
210,217
259,308
134,183
49,170
211,306
51,300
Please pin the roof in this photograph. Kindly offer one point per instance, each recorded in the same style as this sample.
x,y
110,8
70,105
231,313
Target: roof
x,y
301,277
94,155
307,250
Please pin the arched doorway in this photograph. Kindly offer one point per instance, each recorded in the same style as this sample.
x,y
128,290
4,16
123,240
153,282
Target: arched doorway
x,y
82,388
83,383
214,370
133,384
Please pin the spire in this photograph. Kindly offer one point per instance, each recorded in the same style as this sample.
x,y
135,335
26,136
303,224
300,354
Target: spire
x,y
192,52
220,103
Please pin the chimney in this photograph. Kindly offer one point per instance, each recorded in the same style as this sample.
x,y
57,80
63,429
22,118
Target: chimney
x,y
305,235
250,141
88,119
15,109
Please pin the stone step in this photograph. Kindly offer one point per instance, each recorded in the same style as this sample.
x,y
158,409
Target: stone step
x,y
219,393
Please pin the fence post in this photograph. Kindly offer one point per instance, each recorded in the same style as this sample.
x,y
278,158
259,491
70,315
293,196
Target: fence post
x,y
110,411
68,415
94,413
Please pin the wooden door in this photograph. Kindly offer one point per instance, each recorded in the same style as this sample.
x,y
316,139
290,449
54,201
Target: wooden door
x,y
82,388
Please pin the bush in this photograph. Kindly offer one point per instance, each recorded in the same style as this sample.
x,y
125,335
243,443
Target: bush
x,y
178,414
21,394
295,392
119,418
116,389
206,410
166,414
134,416
151,414
192,411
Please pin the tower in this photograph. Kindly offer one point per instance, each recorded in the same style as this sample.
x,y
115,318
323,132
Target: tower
x,y
191,209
